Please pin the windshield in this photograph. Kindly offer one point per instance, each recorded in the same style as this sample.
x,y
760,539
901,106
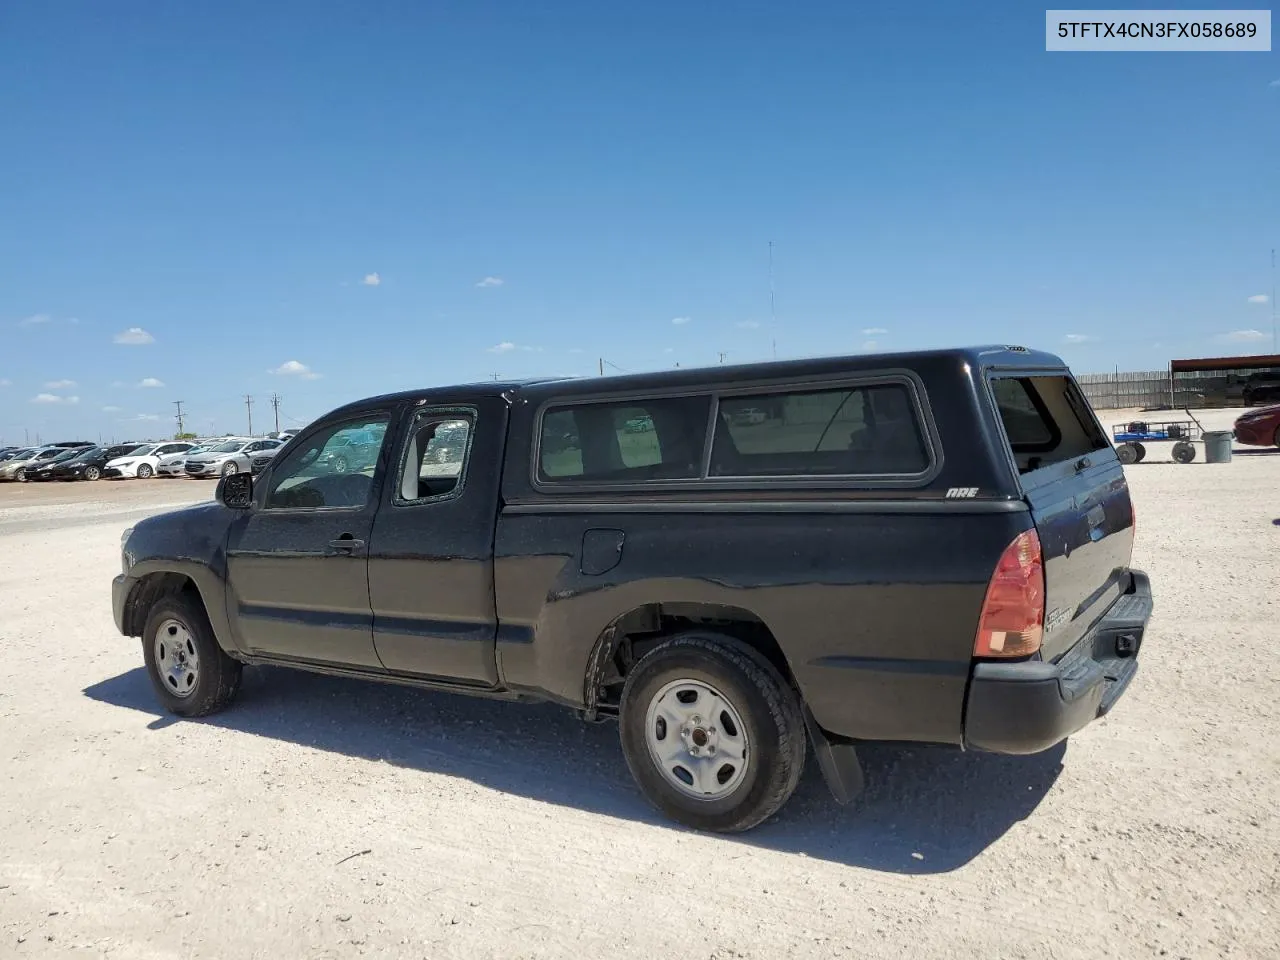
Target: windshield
x,y
62,456
21,454
87,454
231,446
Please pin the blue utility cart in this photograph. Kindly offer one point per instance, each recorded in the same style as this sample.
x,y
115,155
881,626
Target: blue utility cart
x,y
1131,438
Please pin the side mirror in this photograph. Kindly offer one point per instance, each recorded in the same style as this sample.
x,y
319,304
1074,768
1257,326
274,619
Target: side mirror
x,y
236,491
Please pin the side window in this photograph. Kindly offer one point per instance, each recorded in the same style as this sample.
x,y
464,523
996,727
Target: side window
x,y
860,431
435,458
624,442
326,470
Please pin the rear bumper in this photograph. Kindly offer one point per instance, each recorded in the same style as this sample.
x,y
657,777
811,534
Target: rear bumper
x,y
1029,706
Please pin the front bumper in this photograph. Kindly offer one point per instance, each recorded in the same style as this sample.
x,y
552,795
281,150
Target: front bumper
x,y
1029,706
1254,435
120,471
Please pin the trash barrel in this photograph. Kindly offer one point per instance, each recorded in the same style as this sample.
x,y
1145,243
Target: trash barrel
x,y
1217,446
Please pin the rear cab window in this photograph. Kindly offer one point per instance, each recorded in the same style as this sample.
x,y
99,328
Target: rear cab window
x,y
1047,421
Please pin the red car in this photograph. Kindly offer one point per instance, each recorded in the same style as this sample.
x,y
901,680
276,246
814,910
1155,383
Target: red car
x,y
1259,428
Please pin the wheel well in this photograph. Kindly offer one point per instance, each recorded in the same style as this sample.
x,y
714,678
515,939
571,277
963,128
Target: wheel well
x,y
150,589
631,636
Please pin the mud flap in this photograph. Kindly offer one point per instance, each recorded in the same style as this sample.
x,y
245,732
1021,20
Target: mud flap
x,y
838,761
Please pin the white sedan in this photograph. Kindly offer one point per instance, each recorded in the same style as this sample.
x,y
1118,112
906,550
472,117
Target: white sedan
x,y
142,463
175,464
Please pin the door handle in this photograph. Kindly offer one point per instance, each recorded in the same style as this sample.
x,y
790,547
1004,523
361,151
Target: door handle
x,y
347,543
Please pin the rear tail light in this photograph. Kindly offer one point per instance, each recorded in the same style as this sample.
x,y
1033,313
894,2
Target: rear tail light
x,y
1012,620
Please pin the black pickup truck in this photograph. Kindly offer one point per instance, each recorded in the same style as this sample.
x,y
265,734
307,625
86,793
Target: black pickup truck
x,y
735,563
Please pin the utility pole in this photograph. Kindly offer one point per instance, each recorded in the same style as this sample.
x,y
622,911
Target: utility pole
x,y
1274,347
248,405
722,356
178,416
275,405
602,366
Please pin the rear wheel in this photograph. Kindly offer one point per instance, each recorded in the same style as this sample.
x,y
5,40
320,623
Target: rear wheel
x,y
191,674
340,464
1141,450
1184,452
145,471
1127,453
92,473
712,733
1276,438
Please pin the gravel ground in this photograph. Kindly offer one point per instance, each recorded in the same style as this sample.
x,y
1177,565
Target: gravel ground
x,y
328,818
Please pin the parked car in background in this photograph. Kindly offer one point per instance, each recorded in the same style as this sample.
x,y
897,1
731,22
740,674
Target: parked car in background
x,y
242,455
44,470
175,464
88,464
14,453
16,468
1262,388
1259,428
353,452
141,462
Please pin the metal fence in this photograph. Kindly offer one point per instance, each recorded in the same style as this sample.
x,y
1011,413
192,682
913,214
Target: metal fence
x,y
1111,391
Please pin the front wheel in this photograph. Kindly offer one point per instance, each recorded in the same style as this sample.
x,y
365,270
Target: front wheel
x,y
191,674
145,471
1184,452
21,476
229,468
1127,453
712,733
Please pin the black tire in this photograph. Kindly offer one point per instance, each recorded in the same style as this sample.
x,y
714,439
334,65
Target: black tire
x,y
1141,450
771,716
1127,453
229,468
1276,438
1184,452
340,464
145,471
92,473
218,676
21,477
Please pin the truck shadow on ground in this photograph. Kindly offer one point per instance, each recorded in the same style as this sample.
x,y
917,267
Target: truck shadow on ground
x,y
925,810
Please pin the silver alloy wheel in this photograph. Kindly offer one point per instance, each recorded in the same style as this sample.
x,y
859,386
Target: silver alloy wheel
x,y
697,739
229,468
144,471
340,464
176,659
91,473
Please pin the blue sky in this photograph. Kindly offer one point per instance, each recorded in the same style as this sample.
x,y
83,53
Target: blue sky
x,y
368,197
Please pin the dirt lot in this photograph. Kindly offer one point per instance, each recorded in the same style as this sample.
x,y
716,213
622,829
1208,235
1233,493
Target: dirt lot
x,y
327,818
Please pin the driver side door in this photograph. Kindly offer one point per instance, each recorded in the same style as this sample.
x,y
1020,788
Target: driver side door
x,y
297,562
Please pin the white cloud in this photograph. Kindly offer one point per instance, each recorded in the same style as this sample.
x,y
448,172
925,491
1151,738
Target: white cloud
x,y
490,282
1259,298
150,382
59,384
134,337
506,346
1079,338
1243,336
110,409
146,416
6,383
292,368
53,398
748,324
681,321
1274,83
73,320
35,320
371,279
874,332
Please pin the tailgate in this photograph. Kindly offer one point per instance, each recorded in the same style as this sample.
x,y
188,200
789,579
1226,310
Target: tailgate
x,y
1078,495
